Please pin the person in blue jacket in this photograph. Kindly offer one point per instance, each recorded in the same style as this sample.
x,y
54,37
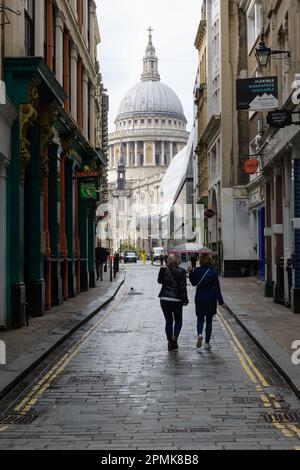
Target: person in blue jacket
x,y
208,293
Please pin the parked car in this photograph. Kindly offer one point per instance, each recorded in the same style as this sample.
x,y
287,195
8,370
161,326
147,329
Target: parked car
x,y
157,252
130,257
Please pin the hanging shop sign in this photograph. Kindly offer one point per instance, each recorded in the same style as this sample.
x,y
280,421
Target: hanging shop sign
x,y
251,166
88,185
279,119
257,94
283,118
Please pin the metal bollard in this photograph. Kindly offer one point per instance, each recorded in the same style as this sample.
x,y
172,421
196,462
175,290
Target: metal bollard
x,y
110,270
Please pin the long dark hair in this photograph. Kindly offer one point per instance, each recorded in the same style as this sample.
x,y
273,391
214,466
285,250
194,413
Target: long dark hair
x,y
206,260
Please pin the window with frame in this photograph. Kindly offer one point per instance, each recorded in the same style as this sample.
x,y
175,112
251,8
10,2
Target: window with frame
x,y
29,27
254,22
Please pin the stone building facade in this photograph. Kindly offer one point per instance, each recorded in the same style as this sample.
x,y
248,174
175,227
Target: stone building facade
x,y
255,229
274,190
221,180
51,73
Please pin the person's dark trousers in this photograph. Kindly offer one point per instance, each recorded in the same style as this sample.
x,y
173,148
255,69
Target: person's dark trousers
x,y
173,313
99,270
202,319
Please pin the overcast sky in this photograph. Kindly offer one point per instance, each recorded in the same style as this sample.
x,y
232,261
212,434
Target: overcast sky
x,y
124,37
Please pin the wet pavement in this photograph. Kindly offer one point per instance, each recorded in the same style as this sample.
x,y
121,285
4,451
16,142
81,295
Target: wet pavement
x,y
114,385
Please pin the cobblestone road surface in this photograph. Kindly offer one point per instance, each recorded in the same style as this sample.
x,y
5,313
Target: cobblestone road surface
x,y
114,385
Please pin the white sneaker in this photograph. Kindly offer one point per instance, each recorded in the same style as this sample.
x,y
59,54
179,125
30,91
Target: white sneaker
x,y
207,346
199,342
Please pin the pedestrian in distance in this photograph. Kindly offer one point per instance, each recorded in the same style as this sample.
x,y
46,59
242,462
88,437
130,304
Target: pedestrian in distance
x,y
101,259
144,258
173,296
194,259
208,293
161,257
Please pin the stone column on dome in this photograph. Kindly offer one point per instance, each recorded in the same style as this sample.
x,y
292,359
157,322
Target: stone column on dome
x,y
136,154
114,156
171,151
109,157
162,155
127,154
154,159
145,153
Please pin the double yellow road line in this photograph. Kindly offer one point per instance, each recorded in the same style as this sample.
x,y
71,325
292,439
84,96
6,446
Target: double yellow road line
x,y
269,400
44,383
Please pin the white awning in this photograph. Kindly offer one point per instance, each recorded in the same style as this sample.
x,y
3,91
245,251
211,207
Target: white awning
x,y
173,177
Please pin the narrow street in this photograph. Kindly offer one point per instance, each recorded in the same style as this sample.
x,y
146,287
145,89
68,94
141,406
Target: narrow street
x,y
114,385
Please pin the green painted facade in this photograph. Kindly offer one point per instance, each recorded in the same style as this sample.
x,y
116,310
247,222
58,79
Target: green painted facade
x,y
26,278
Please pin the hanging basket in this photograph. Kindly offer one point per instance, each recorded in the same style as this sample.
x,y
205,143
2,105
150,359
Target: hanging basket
x,y
251,166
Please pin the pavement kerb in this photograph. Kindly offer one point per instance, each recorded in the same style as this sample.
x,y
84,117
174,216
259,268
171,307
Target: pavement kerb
x,y
275,354
15,376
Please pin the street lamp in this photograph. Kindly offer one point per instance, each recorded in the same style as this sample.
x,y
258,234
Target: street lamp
x,y
264,53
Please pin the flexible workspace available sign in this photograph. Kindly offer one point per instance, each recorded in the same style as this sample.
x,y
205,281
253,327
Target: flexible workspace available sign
x,y
257,94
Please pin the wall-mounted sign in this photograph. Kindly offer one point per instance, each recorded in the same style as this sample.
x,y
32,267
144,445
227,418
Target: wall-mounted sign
x,y
242,205
283,118
88,185
251,166
86,174
88,189
257,94
279,119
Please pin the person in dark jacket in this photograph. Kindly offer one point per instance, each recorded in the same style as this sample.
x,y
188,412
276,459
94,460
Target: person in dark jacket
x,y
101,259
194,259
173,296
208,293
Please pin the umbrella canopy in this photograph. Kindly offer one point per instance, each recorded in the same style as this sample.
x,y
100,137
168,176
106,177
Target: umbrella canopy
x,y
190,248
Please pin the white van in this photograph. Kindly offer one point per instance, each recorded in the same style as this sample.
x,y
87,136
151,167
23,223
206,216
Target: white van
x,y
157,251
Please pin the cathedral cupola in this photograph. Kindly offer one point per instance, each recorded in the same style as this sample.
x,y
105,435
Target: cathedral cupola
x,y
150,71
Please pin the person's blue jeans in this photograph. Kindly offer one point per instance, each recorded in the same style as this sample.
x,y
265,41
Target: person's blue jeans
x,y
202,319
173,315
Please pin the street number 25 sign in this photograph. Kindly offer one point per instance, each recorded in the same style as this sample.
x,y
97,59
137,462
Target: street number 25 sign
x,y
242,204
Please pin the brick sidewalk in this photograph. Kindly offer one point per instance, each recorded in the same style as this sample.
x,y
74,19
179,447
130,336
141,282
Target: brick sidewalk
x,y
26,346
273,326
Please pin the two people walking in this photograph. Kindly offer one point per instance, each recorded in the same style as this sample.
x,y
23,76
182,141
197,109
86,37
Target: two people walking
x,y
173,296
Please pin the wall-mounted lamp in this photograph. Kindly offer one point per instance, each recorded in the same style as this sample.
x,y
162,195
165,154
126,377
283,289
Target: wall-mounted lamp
x,y
264,53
